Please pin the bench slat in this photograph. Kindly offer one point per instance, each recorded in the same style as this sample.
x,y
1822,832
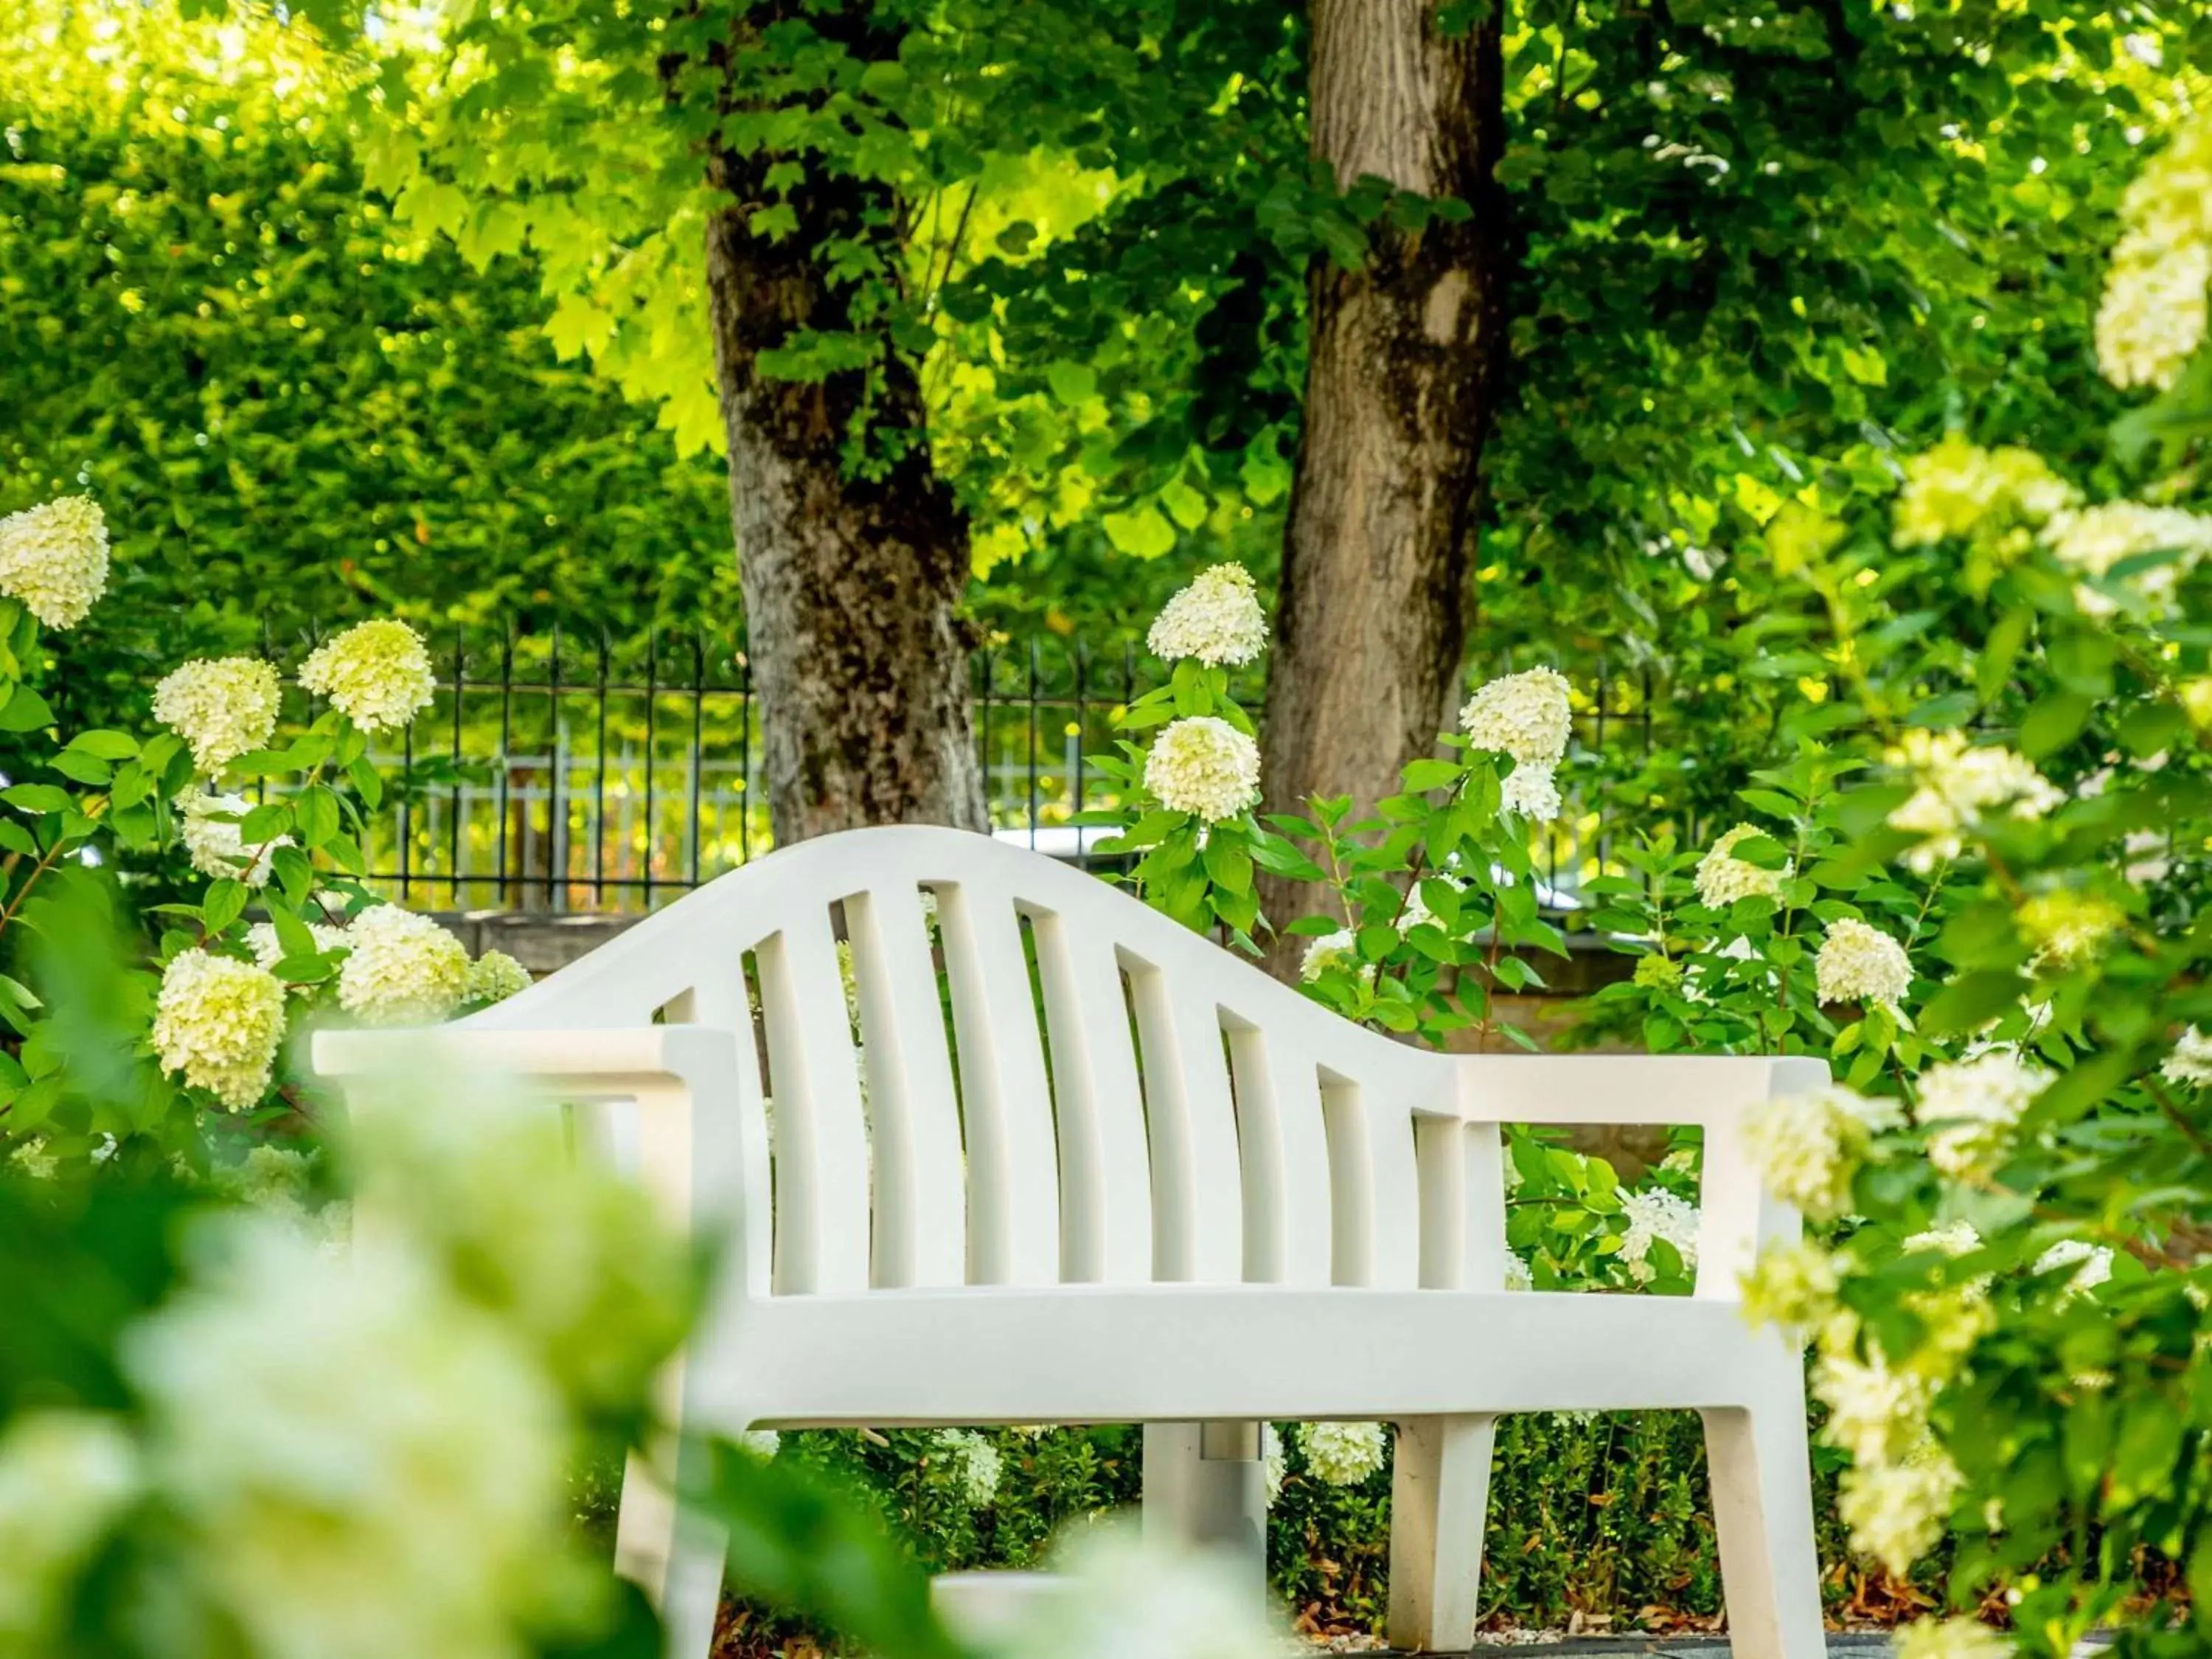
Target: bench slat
x,y
1105,1175
821,1135
1013,1207
914,1115
1198,1209
1284,1150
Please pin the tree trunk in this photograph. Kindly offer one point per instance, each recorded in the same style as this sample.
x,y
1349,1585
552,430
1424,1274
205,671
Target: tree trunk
x,y
851,582
1401,380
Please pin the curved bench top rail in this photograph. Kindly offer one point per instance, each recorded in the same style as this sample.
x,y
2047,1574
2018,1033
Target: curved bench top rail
x,y
1175,1114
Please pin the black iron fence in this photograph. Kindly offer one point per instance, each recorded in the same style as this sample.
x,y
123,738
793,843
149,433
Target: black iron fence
x,y
559,775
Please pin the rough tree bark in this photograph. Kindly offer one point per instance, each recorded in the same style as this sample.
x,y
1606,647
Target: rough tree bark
x,y
850,583
1401,382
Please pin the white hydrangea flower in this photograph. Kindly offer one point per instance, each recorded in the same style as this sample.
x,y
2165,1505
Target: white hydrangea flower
x,y
1205,766
1896,1511
2092,1265
2189,1065
1959,786
64,1477
1532,791
569,1255
54,559
1951,1638
221,706
219,1023
401,968
1274,1462
1973,1107
1343,1453
1808,1146
1518,1276
977,1462
1653,1214
1525,716
1723,879
1216,619
1952,1238
377,674
2068,926
269,950
2091,541
422,1446
209,827
2154,315
1860,963
761,1442
1956,487
1875,1413
1795,1286
1123,1596
494,976
1338,949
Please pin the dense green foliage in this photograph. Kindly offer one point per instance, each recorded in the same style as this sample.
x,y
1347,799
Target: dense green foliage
x,y
292,413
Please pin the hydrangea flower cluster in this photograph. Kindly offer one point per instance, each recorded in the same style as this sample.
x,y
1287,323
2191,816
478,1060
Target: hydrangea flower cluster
x,y
494,976
377,674
64,1476
1973,1107
1204,766
219,1022
2068,926
2094,540
1722,879
978,1463
1960,488
269,950
1343,1453
1338,949
1809,1147
208,826
424,1443
1653,1214
1951,1638
53,558
2154,315
1959,786
2092,1265
2189,1065
401,968
1527,716
221,706
1896,1510
1216,619
1857,962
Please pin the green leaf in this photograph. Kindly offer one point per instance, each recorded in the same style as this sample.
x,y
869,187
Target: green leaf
x,y
25,711
105,746
38,798
223,903
1426,774
82,769
316,811
2053,722
1144,534
1228,863
1072,383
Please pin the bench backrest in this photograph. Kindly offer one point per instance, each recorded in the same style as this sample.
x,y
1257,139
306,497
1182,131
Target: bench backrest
x,y
1175,1115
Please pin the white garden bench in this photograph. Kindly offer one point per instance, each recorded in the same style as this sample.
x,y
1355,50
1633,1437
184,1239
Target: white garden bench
x,y
1190,1197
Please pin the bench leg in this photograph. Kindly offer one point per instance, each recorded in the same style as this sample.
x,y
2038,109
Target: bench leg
x,y
673,1556
1762,1480
1439,1501
1204,1484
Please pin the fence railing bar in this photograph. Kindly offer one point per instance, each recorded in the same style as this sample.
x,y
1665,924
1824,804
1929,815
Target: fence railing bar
x,y
652,715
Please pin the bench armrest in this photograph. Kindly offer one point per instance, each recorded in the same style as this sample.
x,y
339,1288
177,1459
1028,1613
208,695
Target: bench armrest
x,y
602,1064
1737,1217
